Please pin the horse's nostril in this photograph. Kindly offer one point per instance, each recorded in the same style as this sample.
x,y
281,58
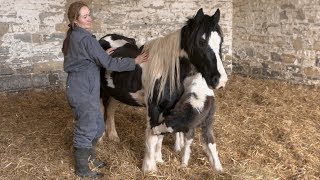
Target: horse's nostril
x,y
215,80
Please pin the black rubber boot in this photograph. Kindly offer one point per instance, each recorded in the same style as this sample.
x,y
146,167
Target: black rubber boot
x,y
81,163
93,158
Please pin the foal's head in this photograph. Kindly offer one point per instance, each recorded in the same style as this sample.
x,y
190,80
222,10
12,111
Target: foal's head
x,y
202,40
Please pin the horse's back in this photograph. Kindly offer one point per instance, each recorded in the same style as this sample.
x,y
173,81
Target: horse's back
x,y
124,86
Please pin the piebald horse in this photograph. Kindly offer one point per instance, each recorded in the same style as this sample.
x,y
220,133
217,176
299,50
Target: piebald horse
x,y
195,49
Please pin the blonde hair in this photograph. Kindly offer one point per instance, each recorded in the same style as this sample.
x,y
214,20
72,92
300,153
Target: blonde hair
x,y
163,64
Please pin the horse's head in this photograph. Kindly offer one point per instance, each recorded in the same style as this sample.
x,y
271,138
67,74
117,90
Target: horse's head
x,y
202,40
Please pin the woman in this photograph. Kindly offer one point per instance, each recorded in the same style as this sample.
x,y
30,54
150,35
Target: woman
x,y
83,57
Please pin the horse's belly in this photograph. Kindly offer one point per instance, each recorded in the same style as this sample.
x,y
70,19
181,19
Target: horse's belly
x,y
129,98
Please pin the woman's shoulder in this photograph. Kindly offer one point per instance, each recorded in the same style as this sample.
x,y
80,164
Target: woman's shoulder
x,y
81,33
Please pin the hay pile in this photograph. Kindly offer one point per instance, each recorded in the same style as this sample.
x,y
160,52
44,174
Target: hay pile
x,y
264,130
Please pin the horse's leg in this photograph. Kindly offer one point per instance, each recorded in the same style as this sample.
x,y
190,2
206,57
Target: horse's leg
x,y
158,154
149,160
179,143
102,109
109,117
187,147
210,146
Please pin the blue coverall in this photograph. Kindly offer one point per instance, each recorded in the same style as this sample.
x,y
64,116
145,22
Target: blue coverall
x,y
82,63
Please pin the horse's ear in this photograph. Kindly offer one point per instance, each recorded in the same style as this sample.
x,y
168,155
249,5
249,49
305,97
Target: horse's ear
x,y
216,16
199,14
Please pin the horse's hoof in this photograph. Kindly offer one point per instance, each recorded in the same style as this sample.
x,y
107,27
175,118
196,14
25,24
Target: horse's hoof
x,y
148,168
183,165
149,171
219,168
177,148
159,160
114,138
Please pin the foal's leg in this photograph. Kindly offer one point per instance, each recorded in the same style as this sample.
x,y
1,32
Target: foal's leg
x,y
109,116
187,147
179,143
210,147
158,154
149,160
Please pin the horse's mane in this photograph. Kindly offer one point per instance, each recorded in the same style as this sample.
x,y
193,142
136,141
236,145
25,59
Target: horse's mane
x,y
163,64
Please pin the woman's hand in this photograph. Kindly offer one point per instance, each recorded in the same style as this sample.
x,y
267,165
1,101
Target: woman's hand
x,y
141,58
110,50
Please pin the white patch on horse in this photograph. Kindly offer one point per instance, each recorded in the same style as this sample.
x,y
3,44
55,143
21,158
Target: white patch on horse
x,y
186,152
110,81
199,91
115,43
215,158
149,161
138,96
179,144
162,128
158,154
183,53
214,43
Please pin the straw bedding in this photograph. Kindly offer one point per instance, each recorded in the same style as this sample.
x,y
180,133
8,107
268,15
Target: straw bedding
x,y
264,129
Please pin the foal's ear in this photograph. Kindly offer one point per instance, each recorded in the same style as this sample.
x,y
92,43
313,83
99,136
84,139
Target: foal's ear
x,y
199,14
216,16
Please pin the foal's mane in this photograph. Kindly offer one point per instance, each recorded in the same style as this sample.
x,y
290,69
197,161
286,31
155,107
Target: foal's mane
x,y
163,64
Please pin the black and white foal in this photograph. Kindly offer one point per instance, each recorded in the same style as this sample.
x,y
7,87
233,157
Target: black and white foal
x,y
194,109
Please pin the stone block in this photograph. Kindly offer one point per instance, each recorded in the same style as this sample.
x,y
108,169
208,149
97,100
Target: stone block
x,y
316,45
259,39
15,82
62,27
25,70
283,15
256,71
288,58
250,52
300,14
54,37
318,62
26,37
297,43
40,80
293,69
275,57
54,79
4,27
48,66
36,38
6,71
312,72
4,53
239,68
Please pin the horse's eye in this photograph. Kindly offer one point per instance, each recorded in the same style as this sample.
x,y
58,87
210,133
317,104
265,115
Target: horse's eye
x,y
202,42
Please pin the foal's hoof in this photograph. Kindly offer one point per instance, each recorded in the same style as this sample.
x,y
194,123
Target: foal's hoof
x,y
219,169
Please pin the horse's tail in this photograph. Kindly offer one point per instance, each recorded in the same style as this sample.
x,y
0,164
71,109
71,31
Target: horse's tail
x,y
163,65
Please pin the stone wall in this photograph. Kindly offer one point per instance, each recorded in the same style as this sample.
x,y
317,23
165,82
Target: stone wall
x,y
277,39
32,32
